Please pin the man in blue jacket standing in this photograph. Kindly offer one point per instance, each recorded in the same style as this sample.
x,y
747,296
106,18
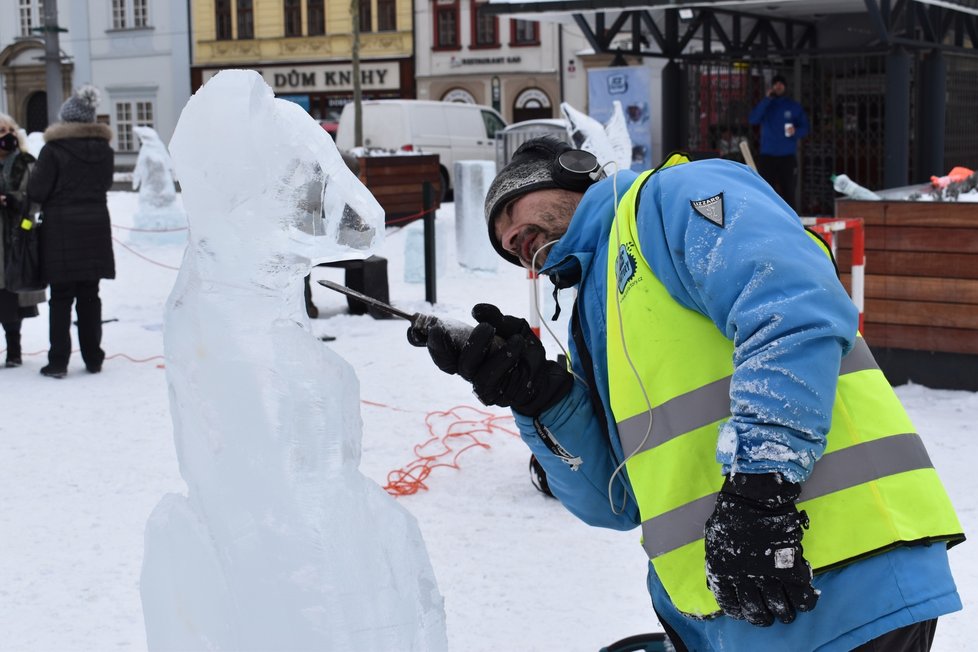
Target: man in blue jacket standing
x,y
720,398
783,123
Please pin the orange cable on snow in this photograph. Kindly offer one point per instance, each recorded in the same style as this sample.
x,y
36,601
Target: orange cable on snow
x,y
452,434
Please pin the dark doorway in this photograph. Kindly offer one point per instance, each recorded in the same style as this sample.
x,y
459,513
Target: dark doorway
x,y
37,112
532,113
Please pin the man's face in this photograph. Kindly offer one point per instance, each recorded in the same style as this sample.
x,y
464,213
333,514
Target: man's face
x,y
778,88
533,220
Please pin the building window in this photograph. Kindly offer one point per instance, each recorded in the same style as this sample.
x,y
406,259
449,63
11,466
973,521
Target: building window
x,y
293,18
524,32
222,20
485,26
140,13
246,19
31,16
128,14
446,25
127,116
315,18
118,14
366,22
386,15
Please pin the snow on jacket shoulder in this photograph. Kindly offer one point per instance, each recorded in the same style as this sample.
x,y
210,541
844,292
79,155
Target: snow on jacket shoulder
x,y
771,290
761,280
767,286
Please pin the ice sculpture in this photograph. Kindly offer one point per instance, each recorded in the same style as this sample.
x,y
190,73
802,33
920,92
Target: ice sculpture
x,y
608,142
280,543
35,141
159,217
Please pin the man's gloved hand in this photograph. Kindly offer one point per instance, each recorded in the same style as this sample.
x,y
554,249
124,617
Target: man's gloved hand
x,y
502,358
754,558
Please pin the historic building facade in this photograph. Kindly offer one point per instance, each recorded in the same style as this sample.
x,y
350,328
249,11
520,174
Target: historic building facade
x,y
521,68
303,48
134,51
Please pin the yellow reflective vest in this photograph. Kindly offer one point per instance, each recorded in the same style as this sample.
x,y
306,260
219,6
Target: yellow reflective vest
x,y
669,374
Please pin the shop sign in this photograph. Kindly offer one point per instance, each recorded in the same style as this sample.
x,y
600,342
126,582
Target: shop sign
x,y
327,78
478,61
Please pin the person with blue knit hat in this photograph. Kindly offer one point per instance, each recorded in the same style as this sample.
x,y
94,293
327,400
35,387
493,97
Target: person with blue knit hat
x,y
71,180
718,396
783,124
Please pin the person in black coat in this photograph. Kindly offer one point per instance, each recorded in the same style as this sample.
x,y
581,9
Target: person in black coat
x,y
70,181
15,170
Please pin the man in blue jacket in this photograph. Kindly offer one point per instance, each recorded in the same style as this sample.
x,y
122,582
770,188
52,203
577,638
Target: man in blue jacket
x,y
783,123
701,297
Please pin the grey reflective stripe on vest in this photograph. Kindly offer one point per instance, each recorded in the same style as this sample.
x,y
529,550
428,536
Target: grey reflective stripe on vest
x,y
706,405
839,470
859,358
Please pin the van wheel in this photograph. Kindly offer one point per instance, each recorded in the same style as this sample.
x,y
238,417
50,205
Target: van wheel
x,y
446,193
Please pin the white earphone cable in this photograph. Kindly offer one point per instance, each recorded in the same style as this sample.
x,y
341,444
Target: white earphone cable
x,y
631,364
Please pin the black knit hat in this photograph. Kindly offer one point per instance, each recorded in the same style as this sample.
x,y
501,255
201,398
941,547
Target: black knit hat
x,y
531,168
80,107
778,78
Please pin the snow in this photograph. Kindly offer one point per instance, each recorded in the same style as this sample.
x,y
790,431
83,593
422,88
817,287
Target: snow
x,y
84,460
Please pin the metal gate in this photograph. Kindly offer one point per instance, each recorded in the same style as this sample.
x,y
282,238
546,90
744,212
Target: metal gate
x,y
961,125
842,96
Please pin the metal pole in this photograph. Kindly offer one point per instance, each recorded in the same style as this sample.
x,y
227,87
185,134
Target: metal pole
x,y
896,120
933,105
355,58
430,268
52,60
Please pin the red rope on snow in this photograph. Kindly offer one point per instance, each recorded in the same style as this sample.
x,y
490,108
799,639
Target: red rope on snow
x,y
452,434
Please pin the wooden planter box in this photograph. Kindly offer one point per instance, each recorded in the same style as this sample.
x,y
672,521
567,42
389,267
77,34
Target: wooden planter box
x,y
396,182
921,277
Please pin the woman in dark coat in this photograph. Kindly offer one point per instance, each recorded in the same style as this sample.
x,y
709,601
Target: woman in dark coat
x,y
70,181
15,169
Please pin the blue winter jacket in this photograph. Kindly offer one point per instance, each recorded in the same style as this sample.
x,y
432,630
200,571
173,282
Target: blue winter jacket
x,y
772,113
791,321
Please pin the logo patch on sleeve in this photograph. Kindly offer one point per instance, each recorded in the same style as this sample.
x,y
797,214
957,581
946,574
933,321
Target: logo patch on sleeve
x,y
711,209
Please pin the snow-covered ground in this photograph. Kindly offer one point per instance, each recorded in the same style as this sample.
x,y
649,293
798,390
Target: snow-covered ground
x,y
85,459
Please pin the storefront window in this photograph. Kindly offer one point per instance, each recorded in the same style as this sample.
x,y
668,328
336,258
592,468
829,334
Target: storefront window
x,y
316,18
446,25
485,26
386,15
222,20
524,32
366,21
246,19
293,18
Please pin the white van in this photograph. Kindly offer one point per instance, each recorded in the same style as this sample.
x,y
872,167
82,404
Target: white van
x,y
454,131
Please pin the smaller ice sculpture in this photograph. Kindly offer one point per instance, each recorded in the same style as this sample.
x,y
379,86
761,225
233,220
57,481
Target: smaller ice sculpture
x,y
281,543
609,142
159,217
35,141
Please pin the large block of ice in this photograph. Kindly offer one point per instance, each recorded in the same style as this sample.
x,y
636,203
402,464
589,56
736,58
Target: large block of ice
x,y
472,246
280,543
414,256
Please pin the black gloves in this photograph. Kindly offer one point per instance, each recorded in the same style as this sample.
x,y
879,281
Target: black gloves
x,y
502,358
754,562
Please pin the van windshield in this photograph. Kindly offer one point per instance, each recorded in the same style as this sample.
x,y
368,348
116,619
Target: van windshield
x,y
492,122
